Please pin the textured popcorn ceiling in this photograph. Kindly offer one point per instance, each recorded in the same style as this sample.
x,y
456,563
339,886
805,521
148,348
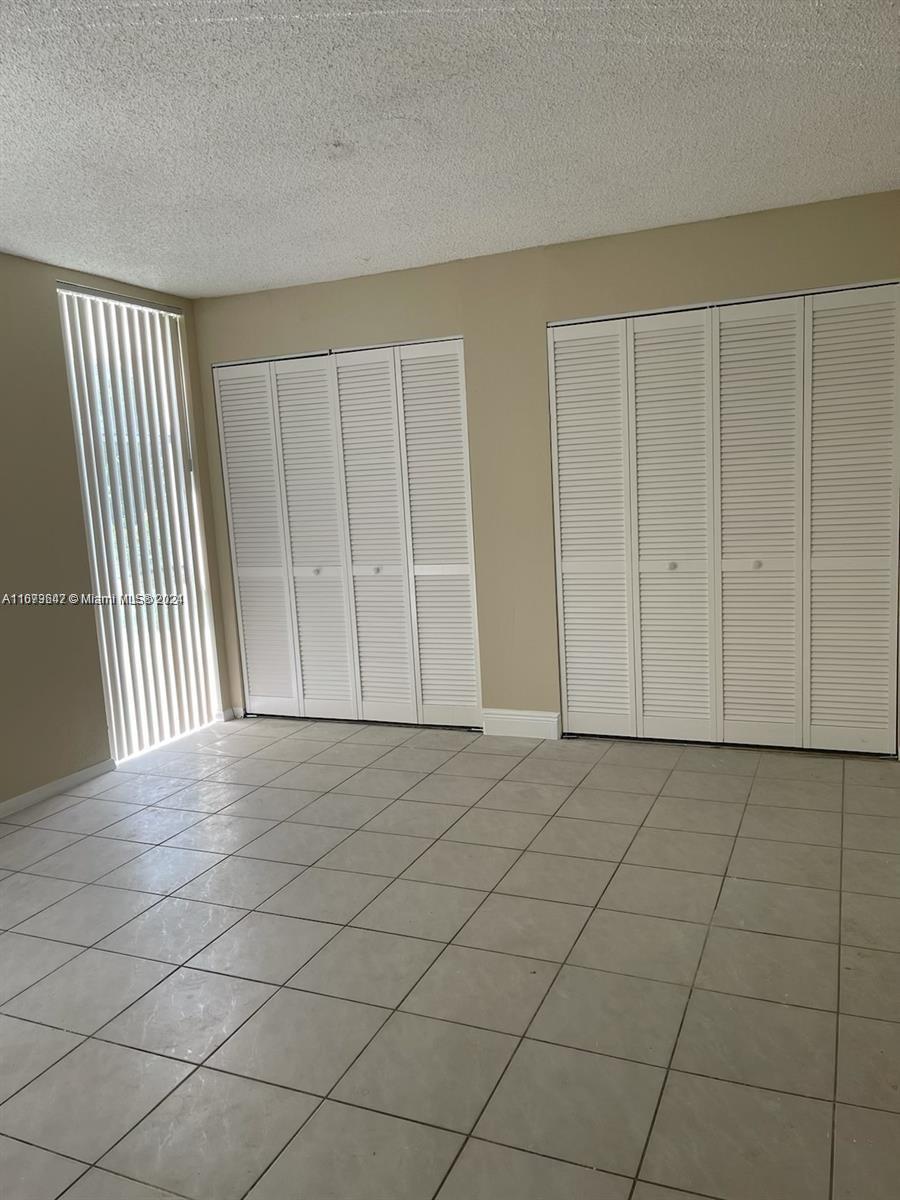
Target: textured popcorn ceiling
x,y
212,146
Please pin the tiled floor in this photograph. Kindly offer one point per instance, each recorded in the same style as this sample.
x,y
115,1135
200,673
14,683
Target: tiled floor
x,y
326,961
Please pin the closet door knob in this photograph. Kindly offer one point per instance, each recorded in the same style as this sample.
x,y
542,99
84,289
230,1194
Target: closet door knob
x,y
673,566
317,570
757,563
376,570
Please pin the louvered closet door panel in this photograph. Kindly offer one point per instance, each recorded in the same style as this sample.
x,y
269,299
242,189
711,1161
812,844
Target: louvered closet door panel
x,y
674,516
306,404
852,398
760,406
432,395
374,489
590,428
253,494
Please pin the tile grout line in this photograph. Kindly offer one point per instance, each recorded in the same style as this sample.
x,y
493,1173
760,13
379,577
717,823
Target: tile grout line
x,y
837,1001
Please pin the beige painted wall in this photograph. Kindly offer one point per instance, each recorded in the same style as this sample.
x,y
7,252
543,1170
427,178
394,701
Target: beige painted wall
x,y
501,305
52,716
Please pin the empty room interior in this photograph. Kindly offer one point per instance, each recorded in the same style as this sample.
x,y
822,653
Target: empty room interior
x,y
450,474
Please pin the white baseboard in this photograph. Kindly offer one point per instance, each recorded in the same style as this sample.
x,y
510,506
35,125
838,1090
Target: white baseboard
x,y
230,714
511,722
56,788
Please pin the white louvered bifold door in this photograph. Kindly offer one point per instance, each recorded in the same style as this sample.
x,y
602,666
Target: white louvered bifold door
x,y
758,385
589,414
431,385
674,503
378,540
851,492
254,493
306,407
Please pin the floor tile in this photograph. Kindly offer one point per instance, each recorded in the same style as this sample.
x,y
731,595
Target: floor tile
x,y
461,864
643,754
477,987
221,833
513,795
490,827
611,1014
569,1104
786,970
719,760
86,992
870,983
153,825
792,825
162,869
584,839
576,749
300,1040
26,1050
212,1137
206,796
779,908
696,816
345,1153
88,816
646,780
256,771
123,1085
869,1063
656,892
873,774
340,811
417,820
43,808
374,782
431,1071
498,744
651,947
441,739
271,804
293,843
860,833
29,1173
756,1042
556,877
364,965
243,882
375,853
28,959
25,847
703,852
862,871
797,793
326,895
786,862
102,1185
87,915
426,910
482,766
145,789
396,735
876,801
871,921
347,754
187,1015
172,931
487,1172
88,860
708,785
265,947
724,1139
591,804
413,758
867,1146
550,772
21,896
449,789
515,925
810,767
331,731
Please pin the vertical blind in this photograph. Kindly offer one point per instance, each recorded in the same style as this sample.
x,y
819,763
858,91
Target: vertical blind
x,y
148,569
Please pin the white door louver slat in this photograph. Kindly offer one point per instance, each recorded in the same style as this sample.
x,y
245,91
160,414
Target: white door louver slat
x,y
367,401
672,488
759,384
590,452
253,493
851,490
433,426
306,402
